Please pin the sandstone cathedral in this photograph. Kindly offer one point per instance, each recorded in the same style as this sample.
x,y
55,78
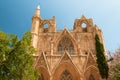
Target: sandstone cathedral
x,y
65,54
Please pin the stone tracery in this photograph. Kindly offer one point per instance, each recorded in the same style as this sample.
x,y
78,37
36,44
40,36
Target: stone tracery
x,y
65,44
66,76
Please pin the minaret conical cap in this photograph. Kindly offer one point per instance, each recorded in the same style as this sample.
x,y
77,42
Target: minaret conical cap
x,y
38,7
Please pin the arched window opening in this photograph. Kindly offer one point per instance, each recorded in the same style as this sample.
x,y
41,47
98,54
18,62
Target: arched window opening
x,y
60,49
84,25
66,45
66,76
45,25
91,77
41,77
71,49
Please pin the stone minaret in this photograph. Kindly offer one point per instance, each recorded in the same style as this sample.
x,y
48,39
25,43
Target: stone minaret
x,y
35,26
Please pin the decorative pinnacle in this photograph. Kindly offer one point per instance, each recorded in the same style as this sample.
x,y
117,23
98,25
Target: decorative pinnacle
x,y
83,17
64,26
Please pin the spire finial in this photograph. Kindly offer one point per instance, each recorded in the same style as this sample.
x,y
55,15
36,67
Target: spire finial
x,y
83,17
38,7
37,12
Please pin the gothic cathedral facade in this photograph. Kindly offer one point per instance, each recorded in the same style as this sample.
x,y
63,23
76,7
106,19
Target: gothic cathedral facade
x,y
65,54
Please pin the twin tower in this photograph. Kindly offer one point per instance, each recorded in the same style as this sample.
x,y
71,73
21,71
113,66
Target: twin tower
x,y
65,54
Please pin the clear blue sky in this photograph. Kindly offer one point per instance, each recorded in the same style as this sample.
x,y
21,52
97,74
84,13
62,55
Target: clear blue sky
x,y
15,15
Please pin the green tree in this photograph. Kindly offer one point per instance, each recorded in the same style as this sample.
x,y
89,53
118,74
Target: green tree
x,y
16,60
101,60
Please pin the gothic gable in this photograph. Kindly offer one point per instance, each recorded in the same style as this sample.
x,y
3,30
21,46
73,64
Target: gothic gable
x,y
66,59
91,61
42,62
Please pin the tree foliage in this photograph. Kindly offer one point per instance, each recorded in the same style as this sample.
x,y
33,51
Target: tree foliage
x,y
116,72
115,66
16,60
101,60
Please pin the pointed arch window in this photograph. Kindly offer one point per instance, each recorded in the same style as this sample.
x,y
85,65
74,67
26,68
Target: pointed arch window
x,y
91,77
65,44
60,49
41,77
66,76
